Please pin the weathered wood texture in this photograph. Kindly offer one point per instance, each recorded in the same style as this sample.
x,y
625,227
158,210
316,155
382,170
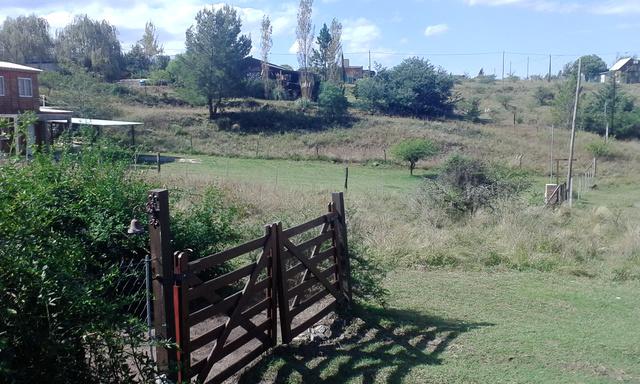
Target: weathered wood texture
x,y
223,319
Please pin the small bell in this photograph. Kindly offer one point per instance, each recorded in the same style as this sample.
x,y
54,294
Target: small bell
x,y
135,228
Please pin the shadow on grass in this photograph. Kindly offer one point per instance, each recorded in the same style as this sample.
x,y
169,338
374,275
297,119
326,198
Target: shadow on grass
x,y
375,345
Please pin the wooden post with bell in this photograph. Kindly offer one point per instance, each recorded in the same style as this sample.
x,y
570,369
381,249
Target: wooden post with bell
x,y
162,274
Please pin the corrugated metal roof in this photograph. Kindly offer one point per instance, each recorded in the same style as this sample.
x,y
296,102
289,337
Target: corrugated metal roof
x,y
102,123
621,63
17,67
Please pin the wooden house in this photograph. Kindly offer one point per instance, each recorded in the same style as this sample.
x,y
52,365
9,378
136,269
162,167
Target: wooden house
x,y
354,73
625,71
19,94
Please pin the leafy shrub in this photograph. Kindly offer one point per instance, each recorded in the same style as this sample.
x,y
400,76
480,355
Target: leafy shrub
x,y
412,88
465,185
63,226
471,109
413,150
332,102
543,95
600,149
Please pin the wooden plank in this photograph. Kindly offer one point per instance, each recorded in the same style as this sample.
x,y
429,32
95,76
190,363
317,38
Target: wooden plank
x,y
238,365
162,267
300,288
312,268
316,241
322,256
206,338
256,309
272,274
211,261
295,311
223,306
239,341
281,287
294,231
236,316
220,281
314,253
344,264
298,329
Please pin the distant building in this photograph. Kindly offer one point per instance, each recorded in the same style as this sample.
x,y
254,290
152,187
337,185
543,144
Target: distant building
x,y
355,73
18,94
625,71
287,78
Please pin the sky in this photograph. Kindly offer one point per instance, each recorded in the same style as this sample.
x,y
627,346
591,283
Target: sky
x,y
461,36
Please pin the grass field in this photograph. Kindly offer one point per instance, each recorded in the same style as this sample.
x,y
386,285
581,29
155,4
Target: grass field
x,y
295,175
515,293
476,327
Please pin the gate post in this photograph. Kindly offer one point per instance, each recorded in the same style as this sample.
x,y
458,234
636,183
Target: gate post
x,y
337,199
181,314
162,274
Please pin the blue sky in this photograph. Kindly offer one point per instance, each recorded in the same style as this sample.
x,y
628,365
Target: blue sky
x,y
460,35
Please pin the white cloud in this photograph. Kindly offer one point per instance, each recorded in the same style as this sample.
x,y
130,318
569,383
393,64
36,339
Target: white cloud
x,y
359,35
434,30
293,49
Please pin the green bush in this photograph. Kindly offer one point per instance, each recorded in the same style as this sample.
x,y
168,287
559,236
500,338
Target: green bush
x,y
471,109
413,150
412,88
332,102
466,185
63,223
600,149
543,95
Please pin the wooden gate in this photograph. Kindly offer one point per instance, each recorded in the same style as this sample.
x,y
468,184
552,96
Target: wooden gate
x,y
222,320
232,314
313,273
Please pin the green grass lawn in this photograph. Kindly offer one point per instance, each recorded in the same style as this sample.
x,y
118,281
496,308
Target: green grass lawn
x,y
297,175
450,325
477,327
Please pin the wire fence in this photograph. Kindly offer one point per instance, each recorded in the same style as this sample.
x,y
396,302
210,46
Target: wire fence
x,y
132,287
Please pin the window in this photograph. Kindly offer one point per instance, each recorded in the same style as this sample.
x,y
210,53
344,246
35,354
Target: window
x,y
24,87
1,85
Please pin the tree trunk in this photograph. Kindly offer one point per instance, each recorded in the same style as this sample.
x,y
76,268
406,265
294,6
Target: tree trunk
x,y
412,165
212,112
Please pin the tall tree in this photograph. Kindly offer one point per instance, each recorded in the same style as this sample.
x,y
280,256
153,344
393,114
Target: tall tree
x,y
320,56
304,38
215,52
25,39
334,52
149,41
137,62
92,44
266,43
592,67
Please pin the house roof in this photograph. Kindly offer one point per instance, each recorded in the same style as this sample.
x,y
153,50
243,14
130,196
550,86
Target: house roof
x,y
18,67
620,64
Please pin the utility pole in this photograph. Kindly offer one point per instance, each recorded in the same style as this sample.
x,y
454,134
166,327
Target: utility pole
x,y
503,67
573,135
549,76
369,62
527,67
551,153
510,71
606,118
613,103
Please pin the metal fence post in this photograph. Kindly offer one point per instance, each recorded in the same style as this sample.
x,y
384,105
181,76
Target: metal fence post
x,y
162,273
147,280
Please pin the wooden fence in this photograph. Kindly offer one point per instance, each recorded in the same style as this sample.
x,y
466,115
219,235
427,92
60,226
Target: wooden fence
x,y
221,321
